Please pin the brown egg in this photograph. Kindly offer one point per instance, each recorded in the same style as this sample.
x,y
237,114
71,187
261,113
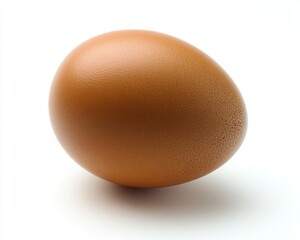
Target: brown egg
x,y
144,109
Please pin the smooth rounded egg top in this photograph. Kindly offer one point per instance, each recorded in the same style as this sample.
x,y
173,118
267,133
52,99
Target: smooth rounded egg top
x,y
144,109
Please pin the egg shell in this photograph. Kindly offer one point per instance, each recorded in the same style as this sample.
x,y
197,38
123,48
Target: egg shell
x,y
144,109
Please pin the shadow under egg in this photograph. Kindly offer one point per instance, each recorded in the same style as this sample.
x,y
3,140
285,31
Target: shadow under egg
x,y
201,199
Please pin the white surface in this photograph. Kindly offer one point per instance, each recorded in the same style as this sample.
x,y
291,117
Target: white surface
x,y
256,195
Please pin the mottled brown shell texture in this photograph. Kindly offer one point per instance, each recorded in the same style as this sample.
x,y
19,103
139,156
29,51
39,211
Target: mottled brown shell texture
x,y
144,109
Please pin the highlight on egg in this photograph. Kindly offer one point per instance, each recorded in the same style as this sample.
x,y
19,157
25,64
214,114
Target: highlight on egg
x,y
145,109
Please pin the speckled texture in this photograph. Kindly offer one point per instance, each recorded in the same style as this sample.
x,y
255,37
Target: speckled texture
x,y
144,109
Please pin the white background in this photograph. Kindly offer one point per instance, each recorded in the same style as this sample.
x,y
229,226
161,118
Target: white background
x,y
256,195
